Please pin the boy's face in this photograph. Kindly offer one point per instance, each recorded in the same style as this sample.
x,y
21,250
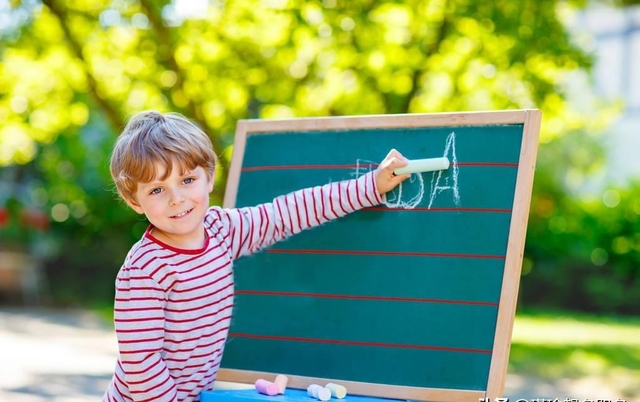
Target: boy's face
x,y
176,206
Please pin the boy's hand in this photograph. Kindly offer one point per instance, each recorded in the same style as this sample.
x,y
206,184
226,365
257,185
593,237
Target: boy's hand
x,y
385,179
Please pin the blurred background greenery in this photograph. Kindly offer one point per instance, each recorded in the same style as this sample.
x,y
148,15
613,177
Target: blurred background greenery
x,y
73,72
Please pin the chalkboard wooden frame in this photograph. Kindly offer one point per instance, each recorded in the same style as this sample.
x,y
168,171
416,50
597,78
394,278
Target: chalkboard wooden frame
x,y
530,119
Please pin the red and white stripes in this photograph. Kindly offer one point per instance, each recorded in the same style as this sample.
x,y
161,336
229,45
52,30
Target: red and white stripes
x,y
173,307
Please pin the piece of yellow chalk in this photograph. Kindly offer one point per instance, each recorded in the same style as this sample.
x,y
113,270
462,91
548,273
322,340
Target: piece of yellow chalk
x,y
281,382
337,391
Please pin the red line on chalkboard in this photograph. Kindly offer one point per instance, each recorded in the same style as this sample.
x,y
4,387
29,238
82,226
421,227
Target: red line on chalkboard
x,y
386,253
440,209
361,297
362,166
291,167
357,343
498,164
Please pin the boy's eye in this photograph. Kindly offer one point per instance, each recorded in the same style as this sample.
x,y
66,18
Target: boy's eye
x,y
155,191
188,180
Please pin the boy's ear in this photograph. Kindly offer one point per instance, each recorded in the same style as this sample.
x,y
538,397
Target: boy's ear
x,y
212,179
134,205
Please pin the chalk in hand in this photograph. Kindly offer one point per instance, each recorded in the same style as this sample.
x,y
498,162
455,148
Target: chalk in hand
x,y
318,392
423,165
281,382
266,387
337,391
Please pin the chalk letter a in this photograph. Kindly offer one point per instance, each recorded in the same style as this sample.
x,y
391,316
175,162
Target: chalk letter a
x,y
440,183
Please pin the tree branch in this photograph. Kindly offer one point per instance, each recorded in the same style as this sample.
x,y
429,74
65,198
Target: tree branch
x,y
430,51
113,116
167,44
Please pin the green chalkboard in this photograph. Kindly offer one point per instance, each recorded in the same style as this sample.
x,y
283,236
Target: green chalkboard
x,y
426,314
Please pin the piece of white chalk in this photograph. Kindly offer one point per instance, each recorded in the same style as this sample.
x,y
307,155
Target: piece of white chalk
x,y
281,382
423,165
319,392
337,391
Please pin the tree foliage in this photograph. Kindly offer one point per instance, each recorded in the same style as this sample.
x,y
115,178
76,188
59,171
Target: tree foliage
x,y
72,72
274,58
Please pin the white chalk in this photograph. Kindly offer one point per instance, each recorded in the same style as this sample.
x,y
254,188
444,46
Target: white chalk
x,y
319,392
423,165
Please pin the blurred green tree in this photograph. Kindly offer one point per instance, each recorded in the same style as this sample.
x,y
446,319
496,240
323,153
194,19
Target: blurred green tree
x,y
71,73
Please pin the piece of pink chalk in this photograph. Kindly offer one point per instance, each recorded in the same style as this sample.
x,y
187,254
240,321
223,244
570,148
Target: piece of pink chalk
x,y
266,387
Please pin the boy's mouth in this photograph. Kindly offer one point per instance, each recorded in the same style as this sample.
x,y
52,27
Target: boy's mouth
x,y
181,214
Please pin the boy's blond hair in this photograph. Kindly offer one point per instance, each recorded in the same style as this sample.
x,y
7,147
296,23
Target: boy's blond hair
x,y
152,138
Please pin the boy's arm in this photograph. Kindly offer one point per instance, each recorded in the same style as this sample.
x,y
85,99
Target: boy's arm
x,y
253,228
139,324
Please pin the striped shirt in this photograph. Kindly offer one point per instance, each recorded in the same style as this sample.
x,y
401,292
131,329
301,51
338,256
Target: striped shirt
x,y
173,307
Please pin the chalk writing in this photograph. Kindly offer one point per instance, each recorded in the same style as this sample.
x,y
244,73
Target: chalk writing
x,y
392,200
396,201
440,181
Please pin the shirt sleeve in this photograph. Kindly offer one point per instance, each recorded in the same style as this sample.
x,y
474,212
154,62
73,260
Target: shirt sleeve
x,y
139,326
253,228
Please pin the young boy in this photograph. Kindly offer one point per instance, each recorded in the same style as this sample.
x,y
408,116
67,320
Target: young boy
x,y
174,292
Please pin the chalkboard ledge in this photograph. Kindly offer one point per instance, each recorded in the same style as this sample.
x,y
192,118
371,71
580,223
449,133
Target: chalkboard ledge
x,y
290,395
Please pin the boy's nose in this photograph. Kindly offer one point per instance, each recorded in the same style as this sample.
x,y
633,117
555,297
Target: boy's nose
x,y
176,198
